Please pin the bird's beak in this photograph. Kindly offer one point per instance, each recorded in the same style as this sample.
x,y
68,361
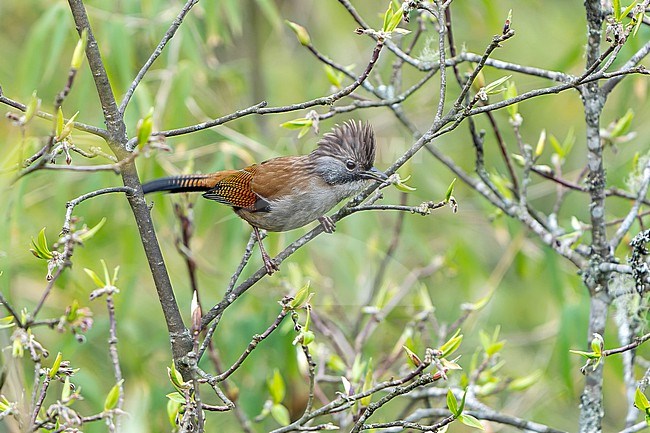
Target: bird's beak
x,y
375,174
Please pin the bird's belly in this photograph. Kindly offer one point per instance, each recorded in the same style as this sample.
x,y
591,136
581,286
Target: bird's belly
x,y
300,208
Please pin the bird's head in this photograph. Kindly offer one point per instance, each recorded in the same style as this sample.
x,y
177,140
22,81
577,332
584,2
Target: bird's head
x,y
347,154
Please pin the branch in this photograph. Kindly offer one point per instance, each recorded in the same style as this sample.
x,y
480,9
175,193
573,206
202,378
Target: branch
x,y
634,211
262,109
556,89
180,338
633,345
514,67
482,414
251,346
635,59
47,116
73,203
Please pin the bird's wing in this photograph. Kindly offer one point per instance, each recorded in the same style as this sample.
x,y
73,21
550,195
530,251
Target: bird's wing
x,y
278,177
235,189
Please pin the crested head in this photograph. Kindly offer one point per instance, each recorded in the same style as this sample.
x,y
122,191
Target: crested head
x,y
352,141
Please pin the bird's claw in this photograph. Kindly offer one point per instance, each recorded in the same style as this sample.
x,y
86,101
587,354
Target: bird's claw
x,y
328,225
270,265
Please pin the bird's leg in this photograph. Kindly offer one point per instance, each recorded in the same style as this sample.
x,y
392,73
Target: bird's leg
x,y
268,263
327,223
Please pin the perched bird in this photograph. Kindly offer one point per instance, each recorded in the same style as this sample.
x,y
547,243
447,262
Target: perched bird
x,y
288,192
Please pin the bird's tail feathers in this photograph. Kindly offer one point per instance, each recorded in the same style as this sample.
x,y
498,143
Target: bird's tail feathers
x,y
183,183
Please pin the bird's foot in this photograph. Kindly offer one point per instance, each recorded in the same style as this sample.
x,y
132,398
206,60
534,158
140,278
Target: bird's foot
x,y
328,225
269,264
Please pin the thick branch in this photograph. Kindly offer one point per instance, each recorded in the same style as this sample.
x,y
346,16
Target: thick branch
x,y
181,340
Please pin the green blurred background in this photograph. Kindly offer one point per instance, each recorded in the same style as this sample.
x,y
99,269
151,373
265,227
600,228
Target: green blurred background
x,y
230,54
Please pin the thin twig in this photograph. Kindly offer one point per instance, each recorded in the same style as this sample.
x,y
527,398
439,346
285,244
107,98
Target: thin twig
x,y
47,116
251,346
74,202
634,211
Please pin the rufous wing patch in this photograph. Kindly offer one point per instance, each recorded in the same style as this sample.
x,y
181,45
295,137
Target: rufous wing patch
x,y
235,190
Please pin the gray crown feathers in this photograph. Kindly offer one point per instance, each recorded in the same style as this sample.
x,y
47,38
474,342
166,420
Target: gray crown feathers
x,y
352,140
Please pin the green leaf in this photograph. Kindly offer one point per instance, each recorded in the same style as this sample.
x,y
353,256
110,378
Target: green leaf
x,y
107,278
67,390
622,125
297,123
450,190
32,107
401,185
493,87
358,368
304,338
175,377
17,349
510,93
451,345
72,311
4,403
495,348
367,385
569,141
425,299
116,271
58,122
55,366
525,382
541,143
640,400
415,360
280,414
588,355
628,10
98,282
563,149
79,51
394,20
452,403
333,76
519,160
305,129
7,322
92,231
40,248
597,344
301,33
387,16
176,397
172,411
638,20
67,128
113,396
470,421
144,128
276,387
461,407
616,6
502,185
335,363
490,344
482,302
556,145
42,240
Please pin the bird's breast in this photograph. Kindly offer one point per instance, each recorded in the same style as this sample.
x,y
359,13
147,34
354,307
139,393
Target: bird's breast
x,y
303,205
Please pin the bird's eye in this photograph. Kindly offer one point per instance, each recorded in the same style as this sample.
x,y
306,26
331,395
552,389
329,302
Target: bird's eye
x,y
350,165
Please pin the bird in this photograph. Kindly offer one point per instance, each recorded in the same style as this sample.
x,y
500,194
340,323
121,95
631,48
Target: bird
x,y
288,192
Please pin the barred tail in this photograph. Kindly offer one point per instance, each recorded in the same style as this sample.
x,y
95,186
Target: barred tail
x,y
176,184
